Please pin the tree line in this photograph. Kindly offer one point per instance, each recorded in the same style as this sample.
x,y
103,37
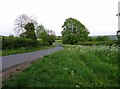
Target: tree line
x,y
74,32
28,27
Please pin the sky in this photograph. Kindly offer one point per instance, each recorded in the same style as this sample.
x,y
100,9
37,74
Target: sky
x,y
98,16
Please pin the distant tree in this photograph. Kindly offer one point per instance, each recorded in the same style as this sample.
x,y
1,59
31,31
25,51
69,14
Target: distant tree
x,y
30,31
106,38
11,35
73,31
21,21
102,38
99,38
58,37
50,32
39,30
41,33
51,39
45,35
89,38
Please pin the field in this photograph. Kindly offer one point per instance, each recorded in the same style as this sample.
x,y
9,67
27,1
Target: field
x,y
75,66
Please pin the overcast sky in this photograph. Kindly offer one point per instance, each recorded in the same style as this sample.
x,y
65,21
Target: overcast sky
x,y
99,16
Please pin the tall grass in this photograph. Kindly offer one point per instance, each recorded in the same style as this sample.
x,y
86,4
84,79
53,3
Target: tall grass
x,y
75,66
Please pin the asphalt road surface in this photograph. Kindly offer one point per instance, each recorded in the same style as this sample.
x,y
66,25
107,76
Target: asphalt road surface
x,y
12,60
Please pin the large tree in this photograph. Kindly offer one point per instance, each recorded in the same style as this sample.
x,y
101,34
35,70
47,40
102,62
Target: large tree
x,y
73,31
21,21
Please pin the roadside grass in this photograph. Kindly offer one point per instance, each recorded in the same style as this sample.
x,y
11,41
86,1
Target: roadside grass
x,y
75,66
17,51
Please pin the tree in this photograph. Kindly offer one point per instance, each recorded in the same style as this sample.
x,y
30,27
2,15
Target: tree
x,y
73,31
51,39
106,38
58,37
30,31
45,35
102,38
41,33
39,30
21,21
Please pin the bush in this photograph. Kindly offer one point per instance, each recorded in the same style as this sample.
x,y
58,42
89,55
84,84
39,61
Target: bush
x,y
17,42
51,39
41,43
97,43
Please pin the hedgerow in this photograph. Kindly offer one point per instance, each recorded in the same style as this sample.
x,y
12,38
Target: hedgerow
x,y
17,42
90,43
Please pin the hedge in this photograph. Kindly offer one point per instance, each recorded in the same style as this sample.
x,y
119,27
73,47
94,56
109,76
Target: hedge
x,y
97,43
17,42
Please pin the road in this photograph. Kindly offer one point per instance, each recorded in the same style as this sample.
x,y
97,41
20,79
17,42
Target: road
x,y
12,60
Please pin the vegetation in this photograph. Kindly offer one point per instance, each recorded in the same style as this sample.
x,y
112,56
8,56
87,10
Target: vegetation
x,y
15,45
58,37
99,38
42,34
73,31
90,43
30,31
51,39
75,66
22,21
24,50
30,36
17,42
27,27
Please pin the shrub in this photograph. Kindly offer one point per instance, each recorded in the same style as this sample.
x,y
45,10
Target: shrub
x,y
41,43
97,43
17,42
51,39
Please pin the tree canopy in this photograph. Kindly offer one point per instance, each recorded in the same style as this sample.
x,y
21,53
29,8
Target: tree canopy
x,y
30,31
73,31
45,35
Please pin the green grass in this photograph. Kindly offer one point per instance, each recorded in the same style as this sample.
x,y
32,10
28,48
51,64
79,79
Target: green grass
x,y
17,51
75,66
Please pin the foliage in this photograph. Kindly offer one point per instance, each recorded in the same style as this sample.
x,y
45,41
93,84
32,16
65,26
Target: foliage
x,y
93,39
58,42
39,30
17,42
108,43
58,37
42,33
30,31
73,31
75,66
51,39
102,38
